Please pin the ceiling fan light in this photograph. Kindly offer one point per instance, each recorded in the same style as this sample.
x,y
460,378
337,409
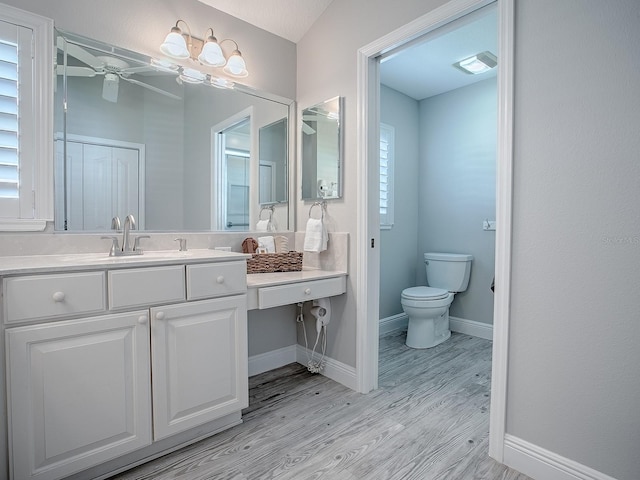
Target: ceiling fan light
x,y
236,66
211,53
110,87
174,45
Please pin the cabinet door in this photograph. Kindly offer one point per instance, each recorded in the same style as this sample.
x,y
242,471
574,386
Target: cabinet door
x,y
79,393
199,362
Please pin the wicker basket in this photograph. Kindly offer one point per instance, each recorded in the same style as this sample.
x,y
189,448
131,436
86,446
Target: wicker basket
x,y
274,262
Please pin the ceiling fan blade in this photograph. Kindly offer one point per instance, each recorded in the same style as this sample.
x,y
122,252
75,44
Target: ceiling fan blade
x,y
75,71
151,87
80,53
146,68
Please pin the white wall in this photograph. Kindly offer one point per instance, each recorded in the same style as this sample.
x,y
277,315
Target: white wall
x,y
399,260
574,386
573,362
458,188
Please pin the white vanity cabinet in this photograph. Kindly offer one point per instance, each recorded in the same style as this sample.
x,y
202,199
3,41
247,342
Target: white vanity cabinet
x,y
78,393
152,362
199,363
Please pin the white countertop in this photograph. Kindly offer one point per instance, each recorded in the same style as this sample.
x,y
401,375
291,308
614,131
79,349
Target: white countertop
x,y
256,280
86,261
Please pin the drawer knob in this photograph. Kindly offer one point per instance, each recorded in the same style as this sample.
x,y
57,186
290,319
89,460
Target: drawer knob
x,y
160,316
58,297
143,320
307,291
220,279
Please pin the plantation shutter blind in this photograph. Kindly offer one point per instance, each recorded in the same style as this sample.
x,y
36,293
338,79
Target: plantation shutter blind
x,y
386,175
16,121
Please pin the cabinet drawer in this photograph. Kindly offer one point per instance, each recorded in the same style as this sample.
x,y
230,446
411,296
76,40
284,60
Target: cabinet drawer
x,y
146,286
300,292
216,279
50,296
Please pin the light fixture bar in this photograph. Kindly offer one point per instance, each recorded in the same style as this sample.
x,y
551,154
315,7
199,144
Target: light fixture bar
x,y
183,46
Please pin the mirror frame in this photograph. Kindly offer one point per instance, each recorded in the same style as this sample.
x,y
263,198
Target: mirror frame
x,y
339,160
242,88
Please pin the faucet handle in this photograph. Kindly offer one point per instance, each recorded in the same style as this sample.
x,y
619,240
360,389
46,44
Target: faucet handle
x,y
136,242
183,244
114,245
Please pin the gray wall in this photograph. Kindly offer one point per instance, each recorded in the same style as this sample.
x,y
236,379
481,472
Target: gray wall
x,y
327,67
399,262
142,25
573,384
458,188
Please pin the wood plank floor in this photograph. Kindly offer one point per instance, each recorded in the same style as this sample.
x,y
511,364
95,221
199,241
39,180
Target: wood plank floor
x,y
429,420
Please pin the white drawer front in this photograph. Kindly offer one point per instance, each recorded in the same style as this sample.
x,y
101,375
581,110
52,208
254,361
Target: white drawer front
x,y
51,296
216,279
300,292
146,286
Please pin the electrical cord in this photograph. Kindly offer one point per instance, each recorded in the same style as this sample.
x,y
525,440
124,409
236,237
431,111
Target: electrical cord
x,y
314,366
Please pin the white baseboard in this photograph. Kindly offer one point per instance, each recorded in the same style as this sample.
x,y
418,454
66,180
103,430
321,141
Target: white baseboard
x,y
541,464
460,325
393,323
471,327
270,360
337,371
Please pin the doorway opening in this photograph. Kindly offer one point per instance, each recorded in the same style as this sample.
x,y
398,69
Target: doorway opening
x,y
232,173
368,265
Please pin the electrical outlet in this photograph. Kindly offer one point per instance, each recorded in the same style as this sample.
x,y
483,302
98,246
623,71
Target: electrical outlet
x,y
489,225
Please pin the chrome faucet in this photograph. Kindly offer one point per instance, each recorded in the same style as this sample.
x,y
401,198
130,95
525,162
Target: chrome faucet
x,y
129,223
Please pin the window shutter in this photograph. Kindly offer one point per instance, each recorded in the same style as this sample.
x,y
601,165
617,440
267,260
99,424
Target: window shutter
x,y
387,134
9,165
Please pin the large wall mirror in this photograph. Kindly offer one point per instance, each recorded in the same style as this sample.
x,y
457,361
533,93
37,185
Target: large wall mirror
x,y
322,150
138,136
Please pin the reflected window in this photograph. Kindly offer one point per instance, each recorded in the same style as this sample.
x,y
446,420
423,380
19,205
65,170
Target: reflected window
x,y
387,161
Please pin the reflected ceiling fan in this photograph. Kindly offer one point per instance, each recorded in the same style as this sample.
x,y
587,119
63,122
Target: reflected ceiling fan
x,y
112,68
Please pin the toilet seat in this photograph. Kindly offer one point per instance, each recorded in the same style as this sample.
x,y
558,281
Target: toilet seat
x,y
424,293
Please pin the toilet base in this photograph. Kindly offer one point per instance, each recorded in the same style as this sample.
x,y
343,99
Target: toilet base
x,y
428,332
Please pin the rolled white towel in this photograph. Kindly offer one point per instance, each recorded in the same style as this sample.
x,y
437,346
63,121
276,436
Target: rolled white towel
x,y
263,225
267,243
316,236
282,244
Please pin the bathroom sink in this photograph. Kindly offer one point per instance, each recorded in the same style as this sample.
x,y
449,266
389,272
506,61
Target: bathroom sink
x,y
147,256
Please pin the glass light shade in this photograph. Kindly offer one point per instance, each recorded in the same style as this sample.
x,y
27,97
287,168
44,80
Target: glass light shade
x,y
191,75
236,66
219,82
174,45
211,54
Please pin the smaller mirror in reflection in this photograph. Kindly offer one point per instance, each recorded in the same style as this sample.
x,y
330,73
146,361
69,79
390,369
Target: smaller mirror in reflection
x,y
322,150
273,163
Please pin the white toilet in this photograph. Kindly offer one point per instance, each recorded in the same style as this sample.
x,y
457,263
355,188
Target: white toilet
x,y
428,307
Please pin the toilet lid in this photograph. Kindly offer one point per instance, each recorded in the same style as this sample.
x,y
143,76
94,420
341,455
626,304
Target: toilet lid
x,y
417,293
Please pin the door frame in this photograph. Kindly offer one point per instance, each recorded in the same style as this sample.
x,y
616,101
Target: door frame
x,y
368,257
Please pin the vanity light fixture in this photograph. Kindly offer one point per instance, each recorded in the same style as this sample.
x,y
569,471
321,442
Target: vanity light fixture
x,y
207,52
478,63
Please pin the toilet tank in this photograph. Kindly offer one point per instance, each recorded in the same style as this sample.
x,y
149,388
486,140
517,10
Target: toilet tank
x,y
449,271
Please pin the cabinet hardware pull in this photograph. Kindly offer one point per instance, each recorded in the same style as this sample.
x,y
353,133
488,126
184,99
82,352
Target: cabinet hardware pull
x,y
142,319
58,297
220,279
307,291
160,316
